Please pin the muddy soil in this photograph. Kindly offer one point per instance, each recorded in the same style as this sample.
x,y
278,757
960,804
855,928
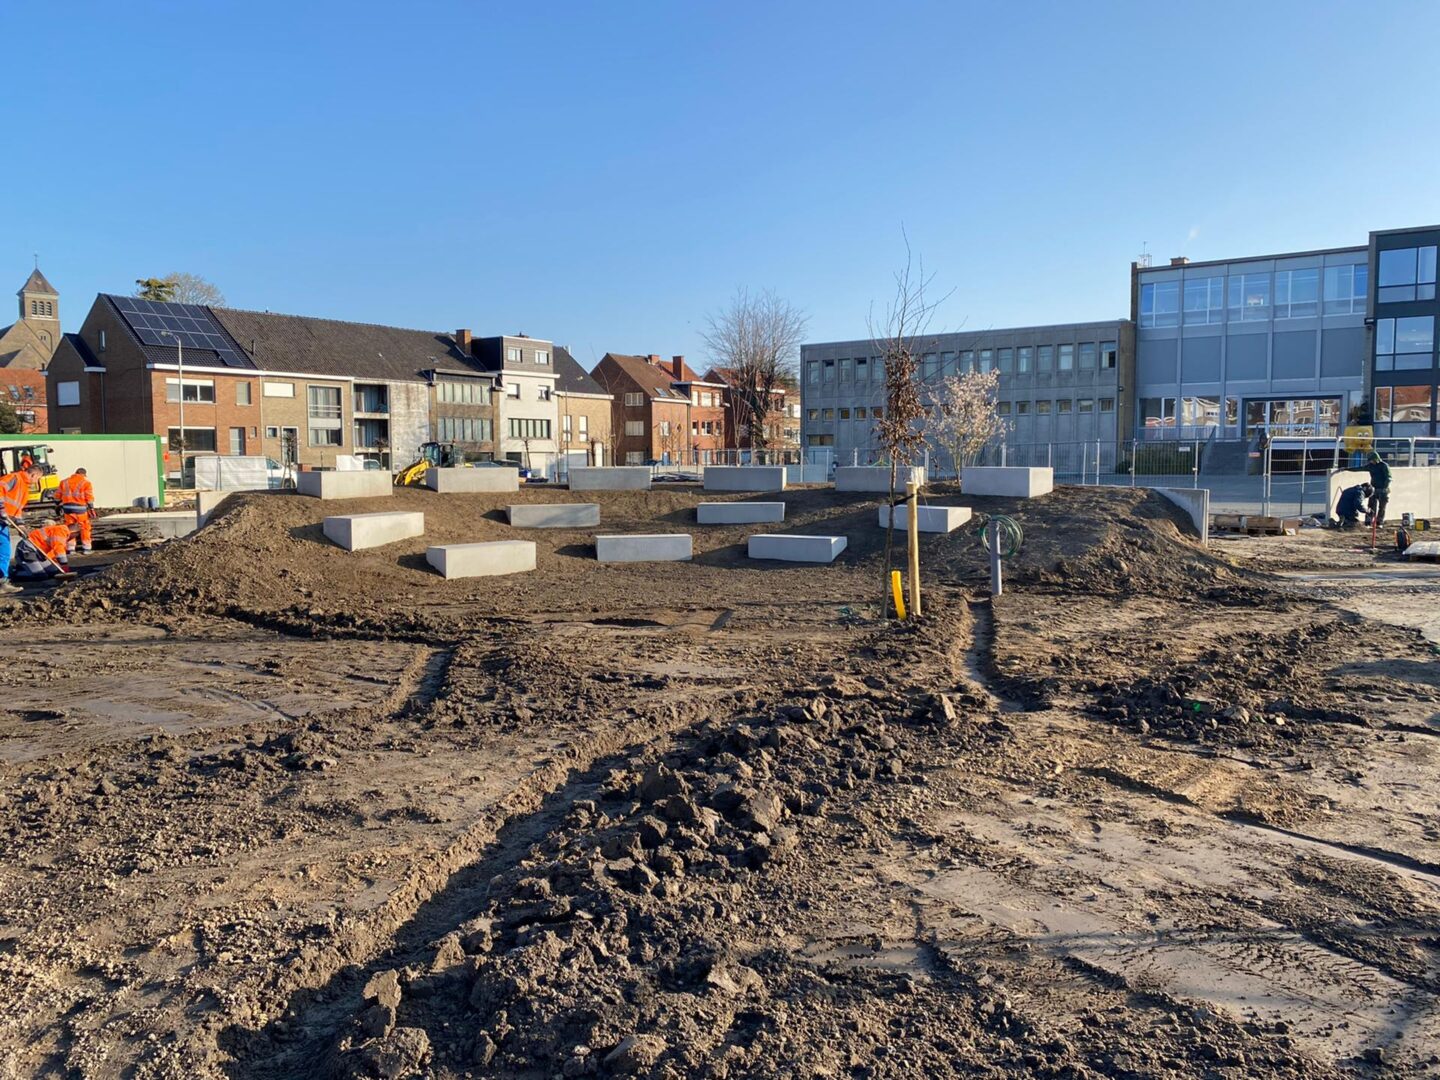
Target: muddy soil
x,y
272,809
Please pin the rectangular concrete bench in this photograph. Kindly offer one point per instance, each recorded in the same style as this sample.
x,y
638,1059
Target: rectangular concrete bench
x,y
1014,481
932,519
555,515
355,531
610,478
814,549
352,484
739,513
744,478
644,547
876,477
489,559
485,478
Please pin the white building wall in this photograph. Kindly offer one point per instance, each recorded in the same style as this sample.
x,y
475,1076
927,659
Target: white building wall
x,y
538,454
409,420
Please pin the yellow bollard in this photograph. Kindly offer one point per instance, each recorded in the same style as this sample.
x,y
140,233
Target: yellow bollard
x,y
898,592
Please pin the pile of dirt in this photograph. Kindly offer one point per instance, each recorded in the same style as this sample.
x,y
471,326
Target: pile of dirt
x,y
264,558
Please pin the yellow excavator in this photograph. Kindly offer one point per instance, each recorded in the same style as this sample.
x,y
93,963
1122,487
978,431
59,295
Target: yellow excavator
x,y
432,455
13,458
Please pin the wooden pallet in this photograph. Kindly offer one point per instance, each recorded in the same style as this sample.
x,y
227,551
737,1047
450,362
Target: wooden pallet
x,y
1255,524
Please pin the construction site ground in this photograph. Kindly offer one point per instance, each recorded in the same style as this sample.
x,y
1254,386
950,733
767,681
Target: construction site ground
x,y
273,809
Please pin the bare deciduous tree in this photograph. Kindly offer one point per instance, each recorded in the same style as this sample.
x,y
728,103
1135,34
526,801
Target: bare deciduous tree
x,y
755,339
180,288
964,417
898,338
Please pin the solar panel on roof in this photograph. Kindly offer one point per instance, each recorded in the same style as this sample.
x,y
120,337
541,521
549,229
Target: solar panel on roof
x,y
164,324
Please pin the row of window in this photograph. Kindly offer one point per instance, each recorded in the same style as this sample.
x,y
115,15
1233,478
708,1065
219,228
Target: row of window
x,y
28,393
1405,274
464,392
1017,360
527,428
1410,405
583,423
1288,416
514,356
1252,297
43,308
470,429
1041,407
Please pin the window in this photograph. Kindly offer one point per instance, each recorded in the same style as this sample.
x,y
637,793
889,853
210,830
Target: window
x,y
812,371
242,393
565,426
542,356
635,428
1406,274
812,414
1107,404
843,366
862,369
844,414
1022,408
1042,408
324,415
1007,361
584,427
987,359
829,370
1249,297
272,432
1403,405
67,393
545,392
827,415
1199,412
634,457
1297,294
1002,408
202,390
1024,359
1109,354
664,426
822,440
929,366
1204,300
1345,289
1085,404
1405,344
277,389
526,428
1160,304
947,363
877,366
1158,412
967,361
860,412
1067,357
237,441
1087,356
1064,405
197,439
634,401
512,356
1045,357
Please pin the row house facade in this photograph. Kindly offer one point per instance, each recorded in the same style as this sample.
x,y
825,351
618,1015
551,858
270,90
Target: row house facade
x,y
663,411
782,418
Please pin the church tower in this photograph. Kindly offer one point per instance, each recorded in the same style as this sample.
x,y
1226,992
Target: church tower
x,y
40,309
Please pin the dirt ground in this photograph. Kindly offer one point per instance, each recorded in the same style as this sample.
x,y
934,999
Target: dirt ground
x,y
272,809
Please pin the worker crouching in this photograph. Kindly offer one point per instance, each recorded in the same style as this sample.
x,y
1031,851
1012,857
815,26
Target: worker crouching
x,y
44,552
76,496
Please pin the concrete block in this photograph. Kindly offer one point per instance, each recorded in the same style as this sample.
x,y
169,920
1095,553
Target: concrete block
x,y
610,478
644,547
1196,503
932,519
355,531
330,484
1011,481
744,477
555,515
485,478
739,513
489,559
876,477
787,548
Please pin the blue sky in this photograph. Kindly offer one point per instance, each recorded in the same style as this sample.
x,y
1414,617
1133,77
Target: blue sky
x,y
605,174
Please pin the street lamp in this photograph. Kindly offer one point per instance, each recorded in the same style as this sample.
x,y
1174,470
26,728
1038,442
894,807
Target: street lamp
x,y
180,364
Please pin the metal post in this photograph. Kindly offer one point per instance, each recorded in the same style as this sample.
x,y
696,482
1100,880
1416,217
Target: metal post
x,y
1265,483
1050,455
912,515
1002,455
1195,465
1097,462
1412,451
1134,450
997,585
1304,456
1084,463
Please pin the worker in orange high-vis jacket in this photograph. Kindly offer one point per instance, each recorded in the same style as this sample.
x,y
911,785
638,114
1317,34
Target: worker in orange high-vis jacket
x,y
52,540
77,504
14,494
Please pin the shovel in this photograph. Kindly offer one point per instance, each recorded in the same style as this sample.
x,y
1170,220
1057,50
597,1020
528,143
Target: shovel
x,y
64,575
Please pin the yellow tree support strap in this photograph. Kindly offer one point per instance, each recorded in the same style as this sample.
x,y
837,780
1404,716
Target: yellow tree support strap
x,y
898,592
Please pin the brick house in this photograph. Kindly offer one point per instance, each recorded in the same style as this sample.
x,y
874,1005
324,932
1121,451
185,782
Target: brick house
x,y
706,419
281,386
585,413
27,347
782,421
651,415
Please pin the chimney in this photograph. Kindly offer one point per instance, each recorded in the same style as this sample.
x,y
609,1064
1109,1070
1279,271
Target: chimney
x,y
462,338
655,360
677,366
1180,260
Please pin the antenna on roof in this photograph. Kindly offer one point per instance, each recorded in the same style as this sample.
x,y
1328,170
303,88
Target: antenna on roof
x,y
1143,259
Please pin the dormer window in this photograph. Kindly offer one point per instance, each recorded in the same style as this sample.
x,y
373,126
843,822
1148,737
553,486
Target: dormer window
x,y
542,357
512,356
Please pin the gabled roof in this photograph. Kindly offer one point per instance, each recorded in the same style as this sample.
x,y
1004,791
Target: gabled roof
x,y
654,381
78,344
151,322
345,349
571,378
36,283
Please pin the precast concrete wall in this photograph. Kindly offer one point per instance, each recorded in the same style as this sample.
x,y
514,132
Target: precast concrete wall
x,y
331,484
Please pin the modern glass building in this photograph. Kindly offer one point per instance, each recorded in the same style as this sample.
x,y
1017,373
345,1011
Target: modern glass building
x,y
1403,309
1234,348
